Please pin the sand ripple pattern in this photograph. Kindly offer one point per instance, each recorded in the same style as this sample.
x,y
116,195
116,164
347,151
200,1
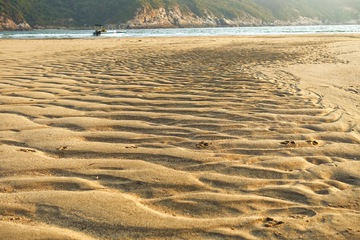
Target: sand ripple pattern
x,y
174,140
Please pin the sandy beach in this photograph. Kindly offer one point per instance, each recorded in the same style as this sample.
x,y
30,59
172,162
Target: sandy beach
x,y
180,138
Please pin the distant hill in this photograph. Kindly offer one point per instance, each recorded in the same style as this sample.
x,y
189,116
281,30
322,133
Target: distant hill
x,y
23,14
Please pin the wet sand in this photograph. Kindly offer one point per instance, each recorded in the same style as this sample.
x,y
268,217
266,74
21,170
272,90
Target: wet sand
x,y
180,138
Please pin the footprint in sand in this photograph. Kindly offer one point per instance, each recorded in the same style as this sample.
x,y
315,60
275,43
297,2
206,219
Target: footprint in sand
x,y
131,147
26,150
203,145
312,142
62,148
270,222
289,143
295,144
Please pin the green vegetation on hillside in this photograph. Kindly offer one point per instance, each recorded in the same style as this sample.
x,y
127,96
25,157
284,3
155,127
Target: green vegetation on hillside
x,y
325,10
11,9
69,13
80,13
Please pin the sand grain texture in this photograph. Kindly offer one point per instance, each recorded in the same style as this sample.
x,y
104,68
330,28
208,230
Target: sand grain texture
x,y
180,138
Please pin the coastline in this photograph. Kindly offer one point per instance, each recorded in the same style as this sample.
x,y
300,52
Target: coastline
x,y
189,32
251,137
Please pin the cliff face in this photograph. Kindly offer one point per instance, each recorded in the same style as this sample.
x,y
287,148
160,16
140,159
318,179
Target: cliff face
x,y
11,17
8,24
175,17
212,13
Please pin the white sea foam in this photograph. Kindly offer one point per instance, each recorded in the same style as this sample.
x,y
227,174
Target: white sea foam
x,y
178,32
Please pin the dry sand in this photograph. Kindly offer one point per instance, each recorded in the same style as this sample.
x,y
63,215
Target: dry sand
x,y
180,138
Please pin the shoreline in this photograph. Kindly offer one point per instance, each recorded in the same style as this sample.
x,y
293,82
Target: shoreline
x,y
193,32
175,27
253,137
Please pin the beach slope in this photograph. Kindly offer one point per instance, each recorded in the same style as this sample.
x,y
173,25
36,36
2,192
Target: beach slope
x,y
180,138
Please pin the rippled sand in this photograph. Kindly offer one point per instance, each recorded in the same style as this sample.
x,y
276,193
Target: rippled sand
x,y
180,138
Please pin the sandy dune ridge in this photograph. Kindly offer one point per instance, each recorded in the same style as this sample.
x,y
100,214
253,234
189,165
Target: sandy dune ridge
x,y
180,138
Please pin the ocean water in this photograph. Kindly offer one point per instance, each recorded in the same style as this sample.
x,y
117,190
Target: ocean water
x,y
182,32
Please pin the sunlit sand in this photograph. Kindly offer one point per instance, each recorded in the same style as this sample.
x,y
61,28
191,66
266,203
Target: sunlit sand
x,y
180,138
